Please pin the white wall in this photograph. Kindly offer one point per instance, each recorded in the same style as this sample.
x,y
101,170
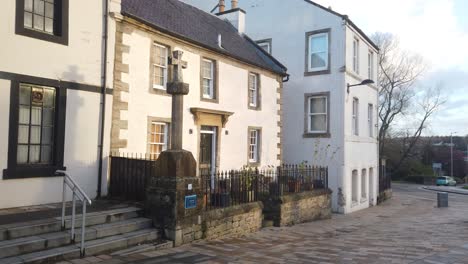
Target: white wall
x,y
286,22
79,62
232,98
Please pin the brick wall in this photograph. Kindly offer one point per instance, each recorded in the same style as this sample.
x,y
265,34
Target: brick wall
x,y
298,208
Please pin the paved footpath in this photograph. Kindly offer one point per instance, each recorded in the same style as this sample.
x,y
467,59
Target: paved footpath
x,y
406,229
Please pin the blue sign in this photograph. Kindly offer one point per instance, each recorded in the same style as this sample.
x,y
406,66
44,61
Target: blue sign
x,y
190,202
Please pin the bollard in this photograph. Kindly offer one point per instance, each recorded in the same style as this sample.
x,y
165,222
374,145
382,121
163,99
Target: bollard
x,y
442,199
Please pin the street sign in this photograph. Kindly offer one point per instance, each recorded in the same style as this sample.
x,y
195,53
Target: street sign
x,y
190,201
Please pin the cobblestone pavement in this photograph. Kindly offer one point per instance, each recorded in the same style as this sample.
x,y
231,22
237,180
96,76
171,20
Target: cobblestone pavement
x,y
406,229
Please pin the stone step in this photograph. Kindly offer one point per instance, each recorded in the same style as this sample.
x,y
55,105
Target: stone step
x,y
24,245
43,226
94,247
161,244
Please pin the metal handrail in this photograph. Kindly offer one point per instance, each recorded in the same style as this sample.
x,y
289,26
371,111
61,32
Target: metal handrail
x,y
81,195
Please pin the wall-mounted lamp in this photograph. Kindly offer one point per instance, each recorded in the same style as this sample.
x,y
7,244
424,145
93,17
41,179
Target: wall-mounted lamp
x,y
365,82
226,132
190,131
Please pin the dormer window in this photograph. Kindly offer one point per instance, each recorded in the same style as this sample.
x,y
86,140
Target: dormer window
x,y
43,19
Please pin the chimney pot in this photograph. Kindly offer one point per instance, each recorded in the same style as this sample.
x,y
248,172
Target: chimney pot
x,y
222,6
234,4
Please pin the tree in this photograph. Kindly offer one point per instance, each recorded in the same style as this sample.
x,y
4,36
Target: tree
x,y
401,97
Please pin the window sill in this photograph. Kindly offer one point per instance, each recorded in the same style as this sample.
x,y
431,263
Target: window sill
x,y
254,163
312,73
159,91
25,172
22,31
316,135
209,100
255,108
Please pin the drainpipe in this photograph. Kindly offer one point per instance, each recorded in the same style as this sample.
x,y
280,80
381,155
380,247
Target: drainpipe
x,y
103,94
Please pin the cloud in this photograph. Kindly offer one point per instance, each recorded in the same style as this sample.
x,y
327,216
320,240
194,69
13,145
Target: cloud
x,y
429,27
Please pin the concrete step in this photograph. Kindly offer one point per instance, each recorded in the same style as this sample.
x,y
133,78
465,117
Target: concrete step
x,y
43,226
94,247
24,245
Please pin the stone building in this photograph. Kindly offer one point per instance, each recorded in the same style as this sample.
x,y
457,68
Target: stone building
x,y
231,115
325,122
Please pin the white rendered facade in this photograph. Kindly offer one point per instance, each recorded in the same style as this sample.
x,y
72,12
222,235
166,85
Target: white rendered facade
x,y
73,67
286,25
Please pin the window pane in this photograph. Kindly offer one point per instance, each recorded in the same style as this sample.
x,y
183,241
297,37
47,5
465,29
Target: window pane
x,y
25,95
319,60
23,134
318,105
46,154
35,135
27,19
22,155
39,7
49,10
318,43
38,22
28,5
47,135
36,115
318,123
48,118
49,25
34,152
23,115
159,76
49,98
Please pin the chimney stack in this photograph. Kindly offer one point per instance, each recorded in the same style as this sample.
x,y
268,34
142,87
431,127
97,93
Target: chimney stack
x,y
222,6
235,15
234,4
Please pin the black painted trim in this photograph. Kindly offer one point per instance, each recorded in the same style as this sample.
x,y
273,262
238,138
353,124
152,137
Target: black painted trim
x,y
15,171
231,11
61,34
54,83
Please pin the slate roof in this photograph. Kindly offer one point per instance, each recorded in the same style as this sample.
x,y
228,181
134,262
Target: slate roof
x,y
194,25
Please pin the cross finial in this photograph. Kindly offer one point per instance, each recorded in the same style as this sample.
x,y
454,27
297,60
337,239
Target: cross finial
x,y
179,64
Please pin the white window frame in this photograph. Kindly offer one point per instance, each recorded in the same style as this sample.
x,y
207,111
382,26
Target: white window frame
x,y
157,86
370,119
265,45
254,136
253,101
166,135
356,55
309,114
370,62
310,53
210,95
355,114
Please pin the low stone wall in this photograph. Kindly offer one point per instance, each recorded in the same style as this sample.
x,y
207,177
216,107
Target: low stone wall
x,y
298,208
234,221
385,195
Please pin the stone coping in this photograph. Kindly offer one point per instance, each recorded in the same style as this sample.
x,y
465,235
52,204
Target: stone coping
x,y
232,210
287,198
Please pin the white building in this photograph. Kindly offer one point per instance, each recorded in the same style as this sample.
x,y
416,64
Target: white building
x,y
231,115
51,73
323,123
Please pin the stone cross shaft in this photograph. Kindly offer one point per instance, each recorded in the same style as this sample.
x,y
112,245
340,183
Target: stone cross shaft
x,y
177,88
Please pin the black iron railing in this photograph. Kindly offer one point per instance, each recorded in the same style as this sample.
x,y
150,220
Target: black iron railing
x,y
227,188
129,174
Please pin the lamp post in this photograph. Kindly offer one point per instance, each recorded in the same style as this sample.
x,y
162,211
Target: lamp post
x,y
451,153
365,82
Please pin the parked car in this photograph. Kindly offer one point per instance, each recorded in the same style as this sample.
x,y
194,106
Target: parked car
x,y
446,181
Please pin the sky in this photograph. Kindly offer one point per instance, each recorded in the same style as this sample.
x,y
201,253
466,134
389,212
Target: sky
x,y
436,29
